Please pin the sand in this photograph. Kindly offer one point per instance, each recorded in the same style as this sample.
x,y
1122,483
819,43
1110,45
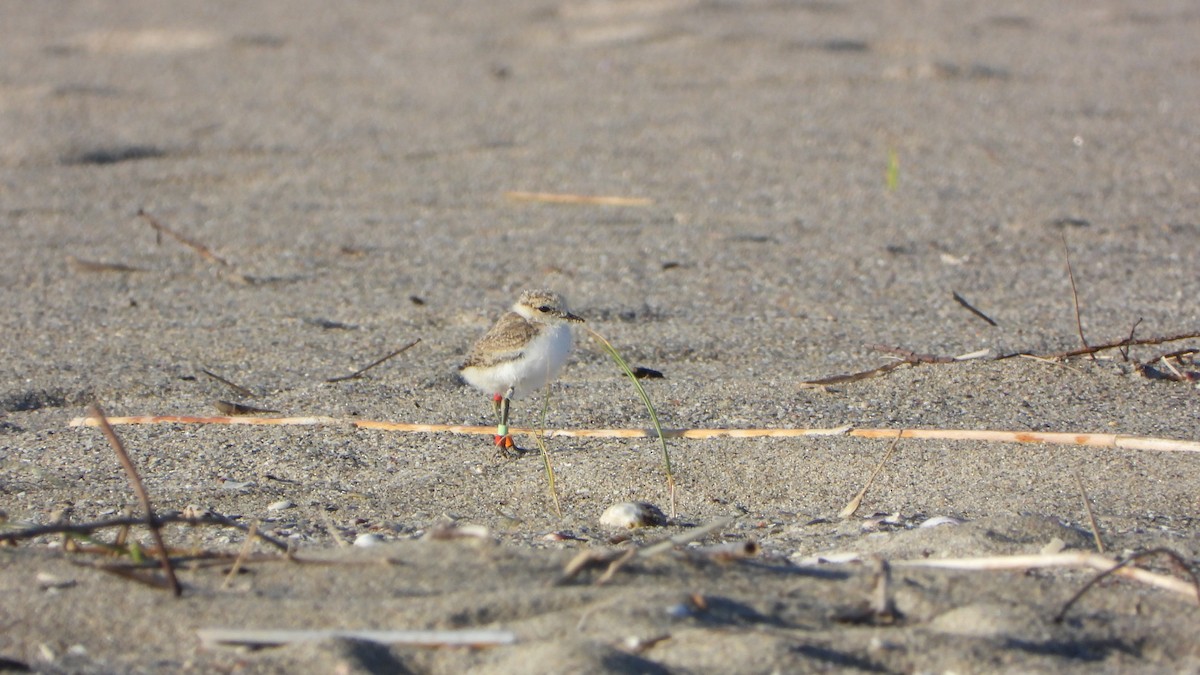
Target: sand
x,y
819,178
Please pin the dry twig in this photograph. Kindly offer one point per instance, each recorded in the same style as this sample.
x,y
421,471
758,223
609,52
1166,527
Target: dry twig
x,y
374,363
566,198
1074,294
242,555
1120,441
1095,349
86,529
200,249
971,308
415,638
1124,566
614,559
242,391
850,508
1091,515
140,489
232,408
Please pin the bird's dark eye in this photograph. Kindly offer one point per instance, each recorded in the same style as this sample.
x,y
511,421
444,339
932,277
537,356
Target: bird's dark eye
x,y
545,309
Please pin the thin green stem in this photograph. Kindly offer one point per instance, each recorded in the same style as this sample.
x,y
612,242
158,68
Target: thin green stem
x,y
662,439
546,455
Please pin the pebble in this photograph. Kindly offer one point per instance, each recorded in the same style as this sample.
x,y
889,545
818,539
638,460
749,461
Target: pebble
x,y
367,540
629,515
830,558
280,505
47,581
1055,545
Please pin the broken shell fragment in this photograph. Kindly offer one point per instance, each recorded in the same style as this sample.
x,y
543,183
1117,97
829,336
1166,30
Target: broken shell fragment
x,y
630,515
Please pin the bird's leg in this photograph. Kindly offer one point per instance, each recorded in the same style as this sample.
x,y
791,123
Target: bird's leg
x,y
496,398
503,439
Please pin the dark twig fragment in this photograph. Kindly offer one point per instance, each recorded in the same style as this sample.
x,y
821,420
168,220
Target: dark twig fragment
x,y
232,408
1094,349
855,377
1075,296
94,266
242,391
971,308
911,356
196,246
364,369
1129,340
86,529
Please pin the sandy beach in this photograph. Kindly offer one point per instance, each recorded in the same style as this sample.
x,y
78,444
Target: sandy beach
x,y
745,197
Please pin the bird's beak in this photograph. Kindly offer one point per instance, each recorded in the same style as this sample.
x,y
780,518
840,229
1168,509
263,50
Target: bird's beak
x,y
567,316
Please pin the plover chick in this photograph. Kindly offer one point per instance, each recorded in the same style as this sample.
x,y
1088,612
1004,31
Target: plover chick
x,y
522,353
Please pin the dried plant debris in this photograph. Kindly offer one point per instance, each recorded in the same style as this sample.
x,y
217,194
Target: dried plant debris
x,y
242,391
232,408
374,363
972,309
80,265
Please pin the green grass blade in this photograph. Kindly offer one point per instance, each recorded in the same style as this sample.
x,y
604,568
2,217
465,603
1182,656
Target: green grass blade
x,y
546,456
612,352
893,170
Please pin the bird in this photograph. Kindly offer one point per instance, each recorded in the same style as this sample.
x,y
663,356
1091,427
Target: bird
x,y
520,354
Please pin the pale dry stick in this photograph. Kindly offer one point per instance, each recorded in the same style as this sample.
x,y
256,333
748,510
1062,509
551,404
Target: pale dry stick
x,y
850,508
684,537
1179,377
192,419
1118,441
615,566
333,532
566,198
1123,565
416,638
123,533
1091,515
135,480
237,564
1071,559
615,559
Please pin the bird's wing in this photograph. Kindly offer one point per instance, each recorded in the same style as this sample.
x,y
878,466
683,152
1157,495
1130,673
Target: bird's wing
x,y
504,342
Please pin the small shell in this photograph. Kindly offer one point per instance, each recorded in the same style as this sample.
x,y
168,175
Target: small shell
x,y
367,540
280,505
630,515
940,520
831,558
1055,545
